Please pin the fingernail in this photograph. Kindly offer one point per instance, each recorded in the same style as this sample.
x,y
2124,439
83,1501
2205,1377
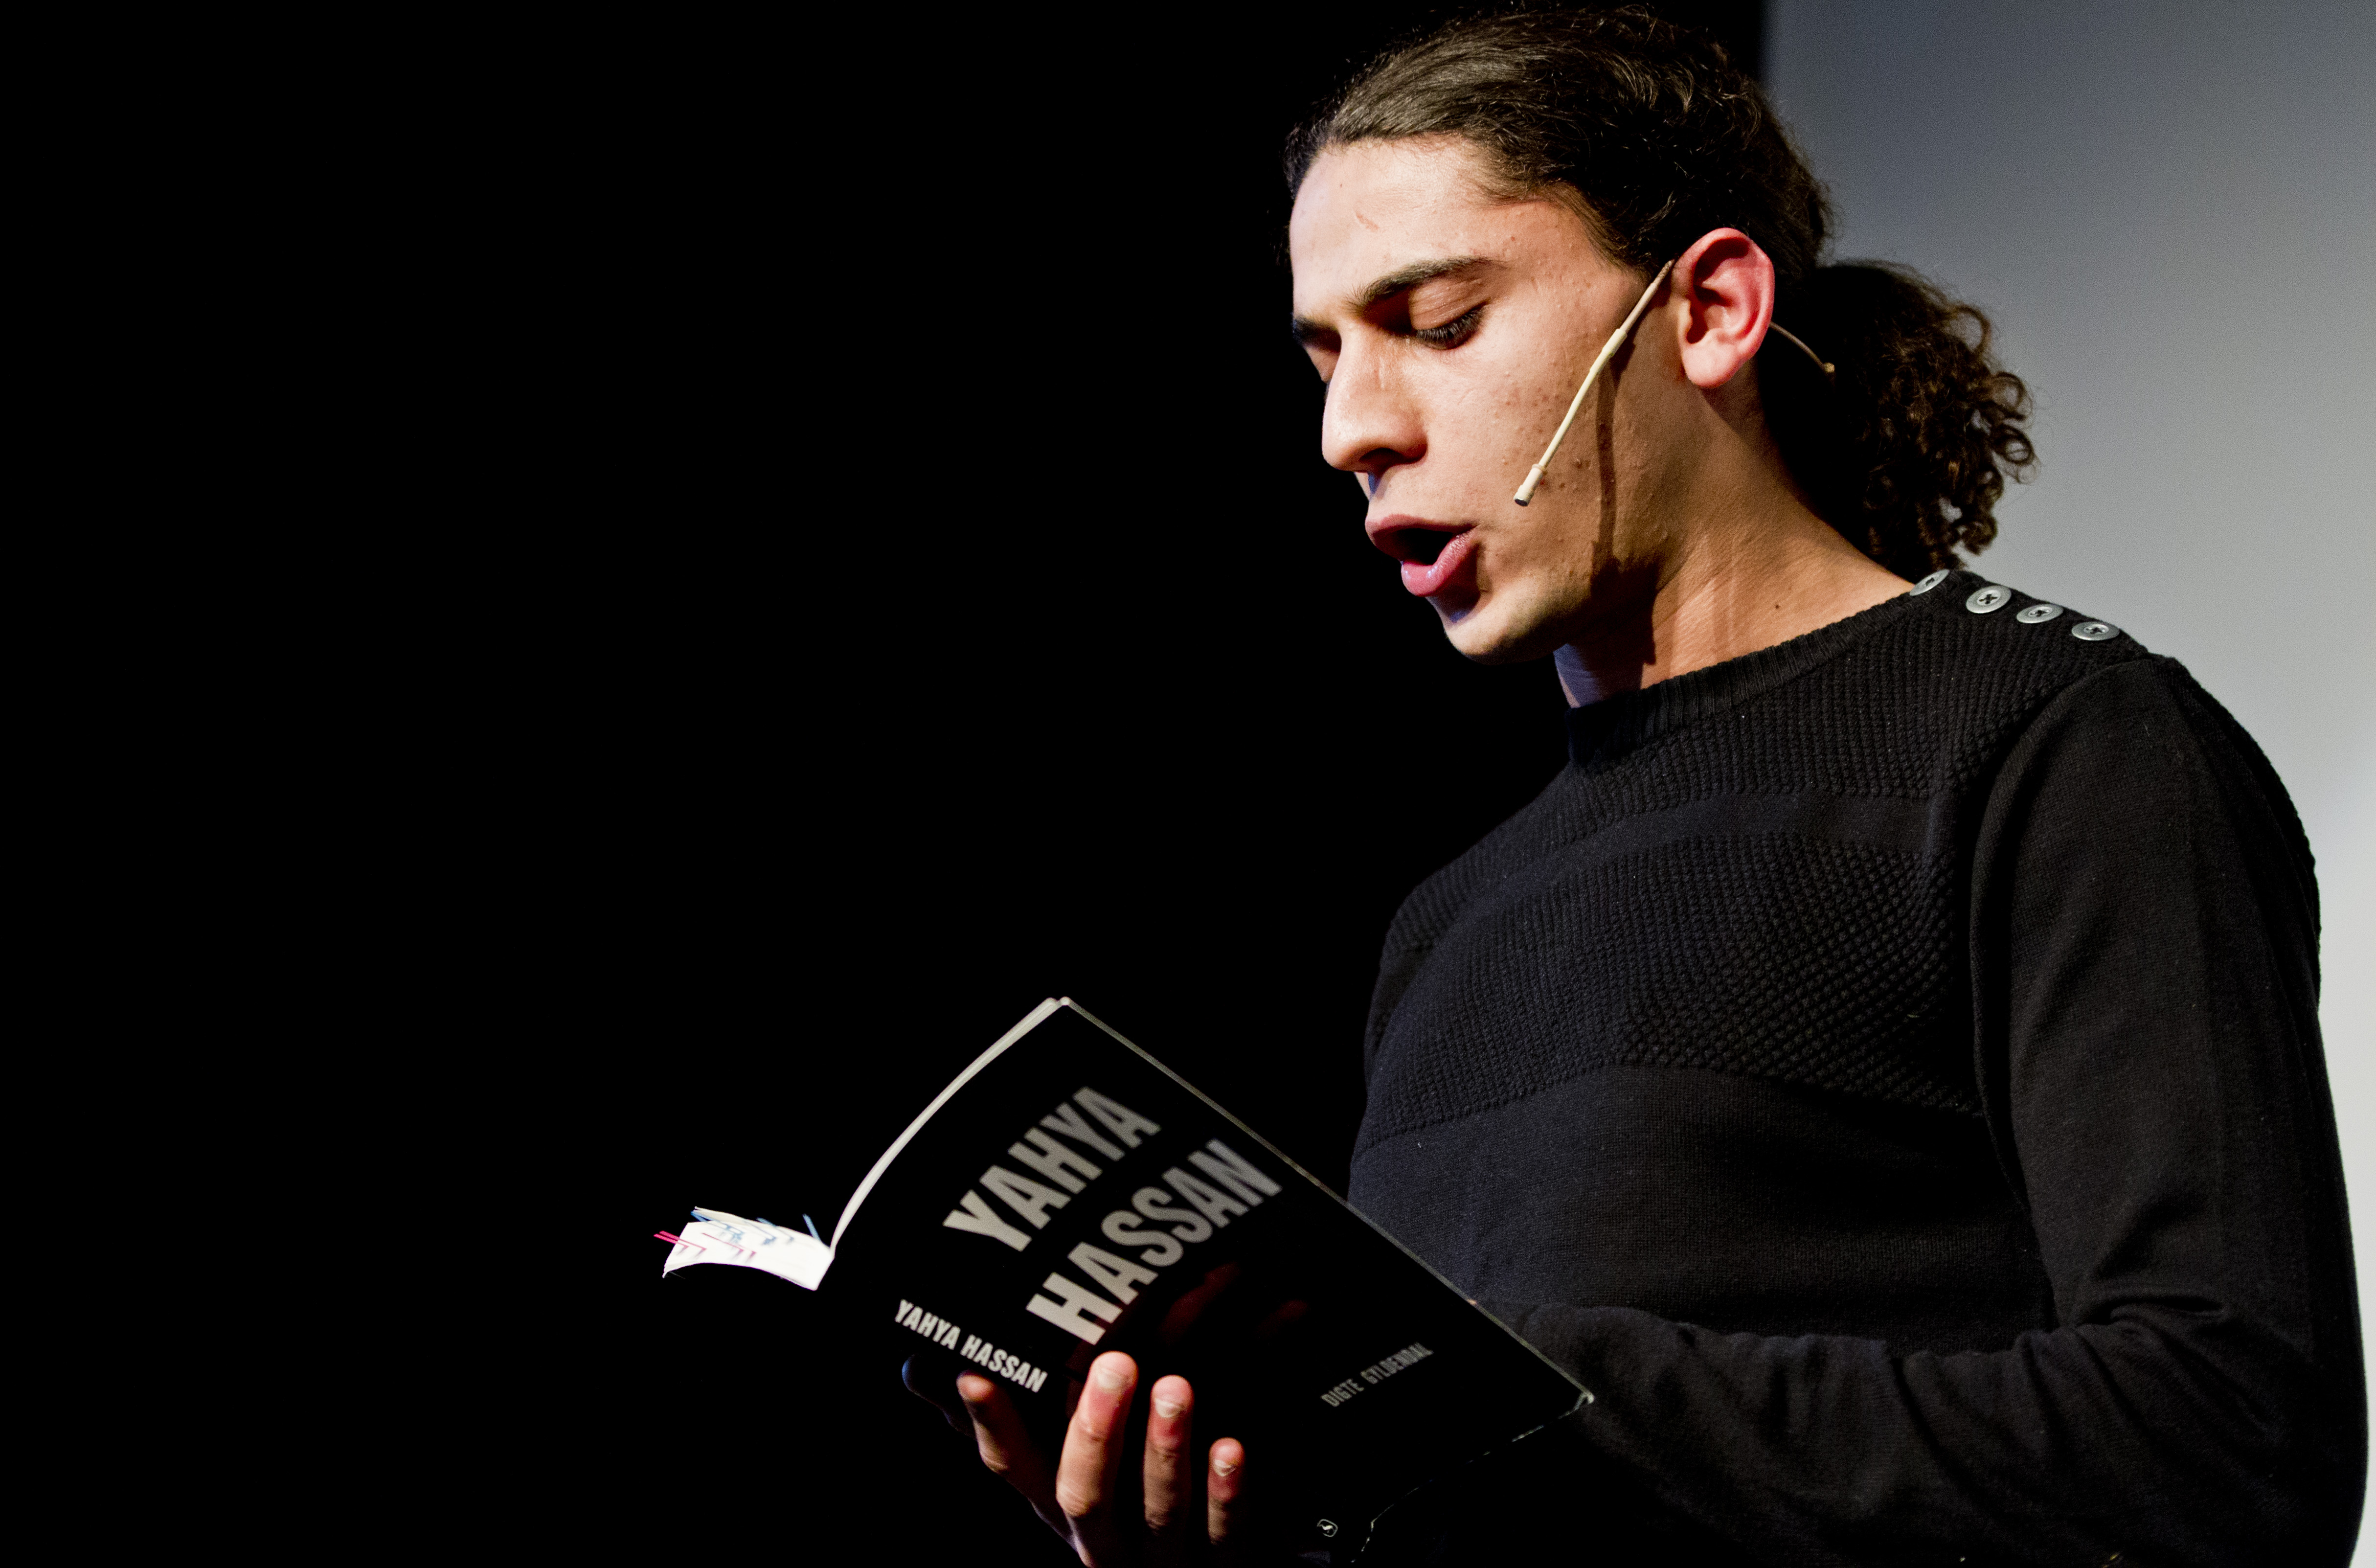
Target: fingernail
x,y
1222,1466
1168,1408
1107,1376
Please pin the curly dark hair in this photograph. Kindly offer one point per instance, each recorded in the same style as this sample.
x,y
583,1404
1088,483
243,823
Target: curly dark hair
x,y
1905,447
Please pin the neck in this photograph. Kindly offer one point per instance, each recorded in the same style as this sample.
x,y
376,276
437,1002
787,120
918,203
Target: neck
x,y
1761,575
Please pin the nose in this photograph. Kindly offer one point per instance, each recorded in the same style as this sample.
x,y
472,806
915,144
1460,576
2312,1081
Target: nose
x,y
1369,423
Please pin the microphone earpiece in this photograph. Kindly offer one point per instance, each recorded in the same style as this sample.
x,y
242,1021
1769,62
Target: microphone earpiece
x,y
1608,352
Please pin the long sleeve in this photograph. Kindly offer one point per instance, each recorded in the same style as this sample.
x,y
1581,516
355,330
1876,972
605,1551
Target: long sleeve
x,y
2142,932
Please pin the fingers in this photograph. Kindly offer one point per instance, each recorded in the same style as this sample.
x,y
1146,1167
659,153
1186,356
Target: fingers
x,y
1092,1466
1225,1484
1167,1472
1078,1500
1007,1450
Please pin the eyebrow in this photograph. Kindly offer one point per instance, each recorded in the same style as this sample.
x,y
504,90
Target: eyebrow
x,y
1392,283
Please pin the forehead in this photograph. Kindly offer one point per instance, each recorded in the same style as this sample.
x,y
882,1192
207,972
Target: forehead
x,y
1375,206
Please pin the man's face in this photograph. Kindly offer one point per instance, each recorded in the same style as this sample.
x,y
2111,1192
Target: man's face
x,y
1452,331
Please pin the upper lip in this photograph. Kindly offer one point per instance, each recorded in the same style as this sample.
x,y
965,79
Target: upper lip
x,y
1419,540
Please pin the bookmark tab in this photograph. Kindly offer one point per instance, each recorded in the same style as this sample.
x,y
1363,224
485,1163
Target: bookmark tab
x,y
720,1236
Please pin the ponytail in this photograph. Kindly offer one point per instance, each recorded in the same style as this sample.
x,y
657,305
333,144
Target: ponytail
x,y
1905,446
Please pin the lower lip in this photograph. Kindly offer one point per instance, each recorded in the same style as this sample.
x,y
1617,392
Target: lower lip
x,y
1450,566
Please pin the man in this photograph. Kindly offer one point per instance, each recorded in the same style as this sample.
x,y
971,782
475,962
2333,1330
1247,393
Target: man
x,y
1884,1067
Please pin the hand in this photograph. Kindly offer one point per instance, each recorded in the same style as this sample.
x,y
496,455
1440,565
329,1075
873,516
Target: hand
x,y
1085,1501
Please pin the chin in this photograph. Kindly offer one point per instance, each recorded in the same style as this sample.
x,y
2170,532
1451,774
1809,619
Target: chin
x,y
1492,632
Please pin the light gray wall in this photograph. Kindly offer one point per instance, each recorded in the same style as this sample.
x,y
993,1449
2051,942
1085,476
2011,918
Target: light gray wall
x,y
2169,210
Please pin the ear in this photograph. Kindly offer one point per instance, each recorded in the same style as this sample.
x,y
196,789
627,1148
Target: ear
x,y
1725,284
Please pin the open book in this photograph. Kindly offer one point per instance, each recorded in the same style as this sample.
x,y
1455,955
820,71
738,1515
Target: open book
x,y
1068,1194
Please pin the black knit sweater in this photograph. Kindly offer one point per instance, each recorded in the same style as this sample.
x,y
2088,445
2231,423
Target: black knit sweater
x,y
1886,1069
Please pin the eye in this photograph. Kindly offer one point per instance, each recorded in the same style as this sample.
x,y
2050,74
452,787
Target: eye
x,y
1453,333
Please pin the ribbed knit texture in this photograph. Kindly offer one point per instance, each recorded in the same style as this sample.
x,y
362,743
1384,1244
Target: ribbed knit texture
x,y
1847,760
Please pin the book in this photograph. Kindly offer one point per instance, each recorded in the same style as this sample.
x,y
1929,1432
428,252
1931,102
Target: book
x,y
1068,1194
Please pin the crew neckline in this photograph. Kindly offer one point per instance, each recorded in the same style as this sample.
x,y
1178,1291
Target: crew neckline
x,y
1600,732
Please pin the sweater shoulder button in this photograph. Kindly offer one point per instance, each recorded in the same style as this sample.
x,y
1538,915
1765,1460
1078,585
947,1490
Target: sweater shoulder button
x,y
1994,597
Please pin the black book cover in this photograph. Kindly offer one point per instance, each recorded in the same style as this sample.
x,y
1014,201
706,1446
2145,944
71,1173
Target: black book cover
x,y
1069,1195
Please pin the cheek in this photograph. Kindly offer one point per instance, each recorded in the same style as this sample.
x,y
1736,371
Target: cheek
x,y
1495,414
1509,392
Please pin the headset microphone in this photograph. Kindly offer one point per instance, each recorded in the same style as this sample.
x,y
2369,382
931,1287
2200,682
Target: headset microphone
x,y
1608,352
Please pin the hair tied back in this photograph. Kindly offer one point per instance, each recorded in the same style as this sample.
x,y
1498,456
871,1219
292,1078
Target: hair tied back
x,y
1660,138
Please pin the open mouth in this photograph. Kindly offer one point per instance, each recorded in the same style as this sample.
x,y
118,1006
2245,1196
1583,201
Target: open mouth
x,y
1435,556
1416,543
1422,545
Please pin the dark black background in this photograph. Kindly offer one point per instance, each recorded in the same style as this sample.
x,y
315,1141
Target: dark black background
x,y
912,590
